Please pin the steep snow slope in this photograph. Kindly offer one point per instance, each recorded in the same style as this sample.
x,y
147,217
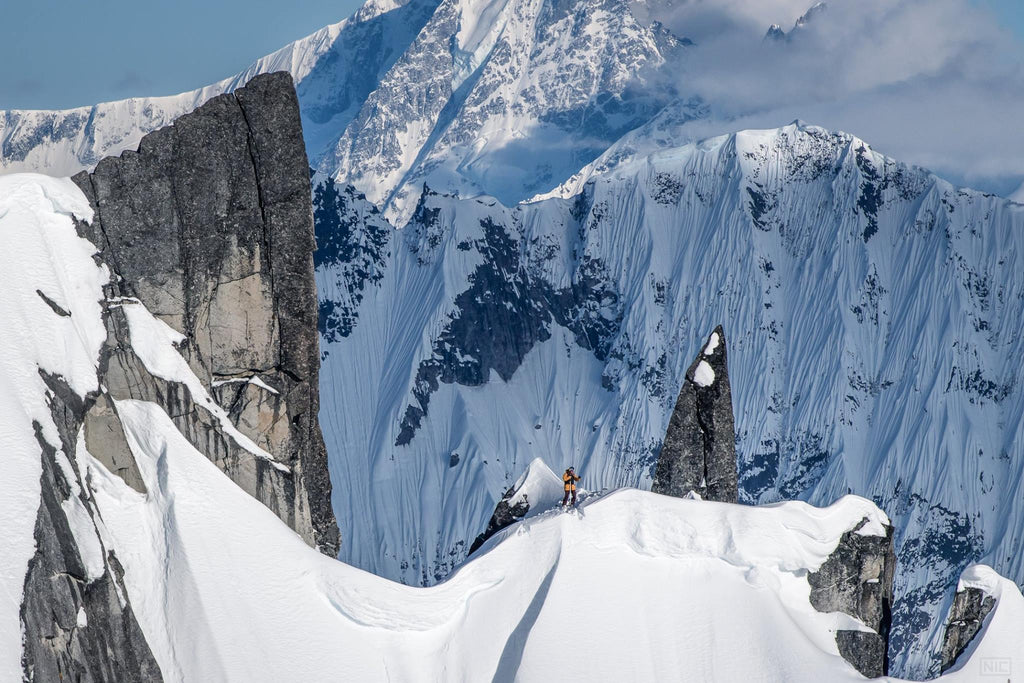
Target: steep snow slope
x,y
876,314
45,264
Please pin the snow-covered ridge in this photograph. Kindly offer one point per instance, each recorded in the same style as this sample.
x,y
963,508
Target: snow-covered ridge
x,y
545,585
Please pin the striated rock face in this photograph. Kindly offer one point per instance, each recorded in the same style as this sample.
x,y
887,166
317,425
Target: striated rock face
x,y
209,225
857,579
966,617
699,451
77,621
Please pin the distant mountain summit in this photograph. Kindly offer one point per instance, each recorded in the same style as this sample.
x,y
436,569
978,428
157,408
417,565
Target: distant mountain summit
x,y
504,98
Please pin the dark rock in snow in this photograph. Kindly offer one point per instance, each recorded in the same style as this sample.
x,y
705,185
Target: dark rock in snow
x,y
76,617
857,579
209,224
699,451
538,489
966,617
504,515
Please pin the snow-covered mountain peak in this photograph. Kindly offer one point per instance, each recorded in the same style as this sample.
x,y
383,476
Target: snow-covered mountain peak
x,y
485,97
499,90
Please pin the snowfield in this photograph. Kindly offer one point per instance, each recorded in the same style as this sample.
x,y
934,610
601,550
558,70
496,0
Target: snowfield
x,y
633,586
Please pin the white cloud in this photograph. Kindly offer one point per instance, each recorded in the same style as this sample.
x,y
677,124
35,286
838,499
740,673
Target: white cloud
x,y
932,82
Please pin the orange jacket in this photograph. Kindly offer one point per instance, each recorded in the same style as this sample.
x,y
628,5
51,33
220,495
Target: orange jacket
x,y
570,480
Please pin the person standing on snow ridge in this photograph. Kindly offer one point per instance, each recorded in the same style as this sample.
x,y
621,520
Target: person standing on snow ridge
x,y
569,479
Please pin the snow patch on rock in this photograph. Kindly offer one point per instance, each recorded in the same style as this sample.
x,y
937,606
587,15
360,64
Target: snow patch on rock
x,y
704,376
155,342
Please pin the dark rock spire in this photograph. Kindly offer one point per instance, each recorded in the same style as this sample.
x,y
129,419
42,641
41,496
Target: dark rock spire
x,y
699,451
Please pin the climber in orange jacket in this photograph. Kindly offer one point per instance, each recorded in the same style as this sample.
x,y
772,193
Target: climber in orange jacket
x,y
569,479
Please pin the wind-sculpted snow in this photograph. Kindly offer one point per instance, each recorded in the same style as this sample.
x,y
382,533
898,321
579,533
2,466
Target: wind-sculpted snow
x,y
617,583
875,314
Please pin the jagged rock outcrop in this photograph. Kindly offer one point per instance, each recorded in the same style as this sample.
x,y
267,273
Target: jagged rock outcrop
x,y
699,451
537,489
209,225
966,617
857,579
77,621
505,514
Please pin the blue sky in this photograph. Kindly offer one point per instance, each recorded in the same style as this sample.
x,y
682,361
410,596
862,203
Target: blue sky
x,y
66,53
1010,12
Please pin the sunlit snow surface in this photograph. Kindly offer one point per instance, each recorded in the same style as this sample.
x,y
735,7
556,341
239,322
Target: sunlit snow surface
x,y
634,585
40,255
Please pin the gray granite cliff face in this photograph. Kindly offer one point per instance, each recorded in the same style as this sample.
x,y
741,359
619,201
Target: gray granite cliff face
x,y
209,224
857,579
699,451
966,617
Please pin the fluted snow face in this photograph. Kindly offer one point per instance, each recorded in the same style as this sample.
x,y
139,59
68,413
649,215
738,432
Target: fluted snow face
x,y
874,313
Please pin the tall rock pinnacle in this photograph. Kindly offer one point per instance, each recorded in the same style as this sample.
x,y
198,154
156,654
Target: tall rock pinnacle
x,y
699,451
209,224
